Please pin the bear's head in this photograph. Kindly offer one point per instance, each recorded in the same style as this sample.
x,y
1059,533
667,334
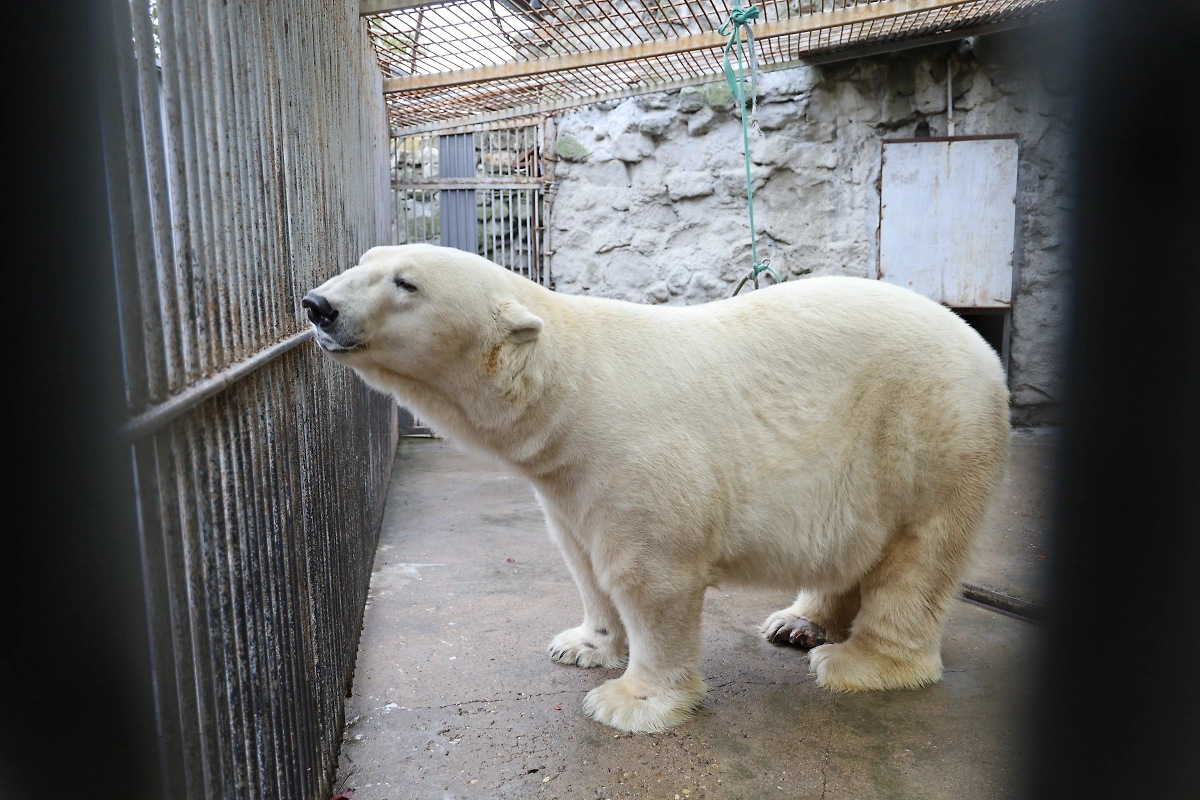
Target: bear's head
x,y
415,313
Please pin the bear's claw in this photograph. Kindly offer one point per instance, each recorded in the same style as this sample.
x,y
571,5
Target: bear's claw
x,y
575,647
795,632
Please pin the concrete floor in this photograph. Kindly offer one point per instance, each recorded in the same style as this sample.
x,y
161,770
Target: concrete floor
x,y
1014,555
454,695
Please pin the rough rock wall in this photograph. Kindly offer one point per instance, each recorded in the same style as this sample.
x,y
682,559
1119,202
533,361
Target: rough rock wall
x,y
651,204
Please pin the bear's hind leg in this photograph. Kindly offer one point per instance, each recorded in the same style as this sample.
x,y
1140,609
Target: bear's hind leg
x,y
895,641
600,641
813,620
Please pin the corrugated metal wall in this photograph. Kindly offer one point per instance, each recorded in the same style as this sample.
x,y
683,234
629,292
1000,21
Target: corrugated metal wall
x,y
254,140
456,159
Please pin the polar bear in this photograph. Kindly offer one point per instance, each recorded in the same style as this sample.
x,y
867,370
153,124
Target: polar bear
x,y
838,436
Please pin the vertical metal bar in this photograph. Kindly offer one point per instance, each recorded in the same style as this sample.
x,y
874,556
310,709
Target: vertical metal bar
x,y
538,242
226,730
140,224
155,579
517,266
249,32
117,119
527,237
213,295
193,489
234,222
279,473
207,290
150,92
262,579
285,286
176,559
258,165
510,260
247,159
178,269
247,569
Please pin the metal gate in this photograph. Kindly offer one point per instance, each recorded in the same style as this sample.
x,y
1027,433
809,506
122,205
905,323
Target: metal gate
x,y
248,161
481,191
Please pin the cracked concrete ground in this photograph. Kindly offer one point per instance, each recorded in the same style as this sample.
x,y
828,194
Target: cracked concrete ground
x,y
454,695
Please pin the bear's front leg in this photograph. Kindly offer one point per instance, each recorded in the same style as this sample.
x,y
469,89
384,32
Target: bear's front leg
x,y
600,641
662,686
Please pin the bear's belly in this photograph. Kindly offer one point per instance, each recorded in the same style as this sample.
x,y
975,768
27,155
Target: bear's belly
x,y
796,554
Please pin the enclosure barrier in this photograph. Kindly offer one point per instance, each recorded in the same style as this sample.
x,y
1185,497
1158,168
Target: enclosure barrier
x,y
248,162
479,61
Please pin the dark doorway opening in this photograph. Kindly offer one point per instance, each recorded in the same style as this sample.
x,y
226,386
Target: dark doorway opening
x,y
992,325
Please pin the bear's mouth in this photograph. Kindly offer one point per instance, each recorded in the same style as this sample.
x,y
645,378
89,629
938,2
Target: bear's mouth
x,y
332,346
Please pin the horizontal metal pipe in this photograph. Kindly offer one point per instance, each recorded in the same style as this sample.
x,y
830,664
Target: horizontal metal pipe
x,y
1003,602
160,415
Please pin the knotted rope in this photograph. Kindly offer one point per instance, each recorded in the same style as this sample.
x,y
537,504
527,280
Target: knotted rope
x,y
739,21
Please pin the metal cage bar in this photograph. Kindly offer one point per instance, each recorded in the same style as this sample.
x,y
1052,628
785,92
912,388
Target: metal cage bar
x,y
254,166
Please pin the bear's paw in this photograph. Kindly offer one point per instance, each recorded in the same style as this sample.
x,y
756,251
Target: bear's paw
x,y
851,667
582,647
635,706
785,628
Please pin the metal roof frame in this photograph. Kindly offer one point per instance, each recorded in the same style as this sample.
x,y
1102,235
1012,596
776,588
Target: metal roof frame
x,y
454,63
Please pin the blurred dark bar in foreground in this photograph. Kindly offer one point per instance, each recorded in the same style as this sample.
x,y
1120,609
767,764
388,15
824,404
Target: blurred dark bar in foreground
x,y
78,714
1118,714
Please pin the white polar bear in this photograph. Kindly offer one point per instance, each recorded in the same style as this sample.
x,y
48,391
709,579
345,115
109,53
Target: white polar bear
x,y
835,435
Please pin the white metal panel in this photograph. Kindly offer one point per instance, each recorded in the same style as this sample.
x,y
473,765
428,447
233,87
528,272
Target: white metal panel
x,y
947,219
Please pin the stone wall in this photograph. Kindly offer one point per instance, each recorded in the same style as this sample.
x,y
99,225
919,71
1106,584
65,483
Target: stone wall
x,y
651,200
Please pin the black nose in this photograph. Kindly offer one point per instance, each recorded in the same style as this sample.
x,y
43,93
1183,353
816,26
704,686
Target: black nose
x,y
319,310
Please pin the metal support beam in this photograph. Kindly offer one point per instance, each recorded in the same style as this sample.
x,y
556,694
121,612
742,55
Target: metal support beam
x,y
803,23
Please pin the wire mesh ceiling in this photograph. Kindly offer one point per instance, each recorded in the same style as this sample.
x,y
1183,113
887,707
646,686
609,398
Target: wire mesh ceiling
x,y
454,61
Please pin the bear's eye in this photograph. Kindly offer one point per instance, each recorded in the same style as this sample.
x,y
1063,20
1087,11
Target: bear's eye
x,y
405,285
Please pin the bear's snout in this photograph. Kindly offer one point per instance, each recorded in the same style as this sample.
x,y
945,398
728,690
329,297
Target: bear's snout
x,y
320,312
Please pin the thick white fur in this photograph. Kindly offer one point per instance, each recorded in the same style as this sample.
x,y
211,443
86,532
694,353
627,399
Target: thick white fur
x,y
836,435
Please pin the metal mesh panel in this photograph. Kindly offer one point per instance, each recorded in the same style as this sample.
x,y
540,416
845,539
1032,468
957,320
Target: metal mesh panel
x,y
416,208
255,150
510,210
544,55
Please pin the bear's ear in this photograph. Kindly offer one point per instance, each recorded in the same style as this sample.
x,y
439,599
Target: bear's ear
x,y
521,324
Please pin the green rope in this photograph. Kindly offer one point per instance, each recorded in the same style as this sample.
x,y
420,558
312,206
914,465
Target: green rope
x,y
739,20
